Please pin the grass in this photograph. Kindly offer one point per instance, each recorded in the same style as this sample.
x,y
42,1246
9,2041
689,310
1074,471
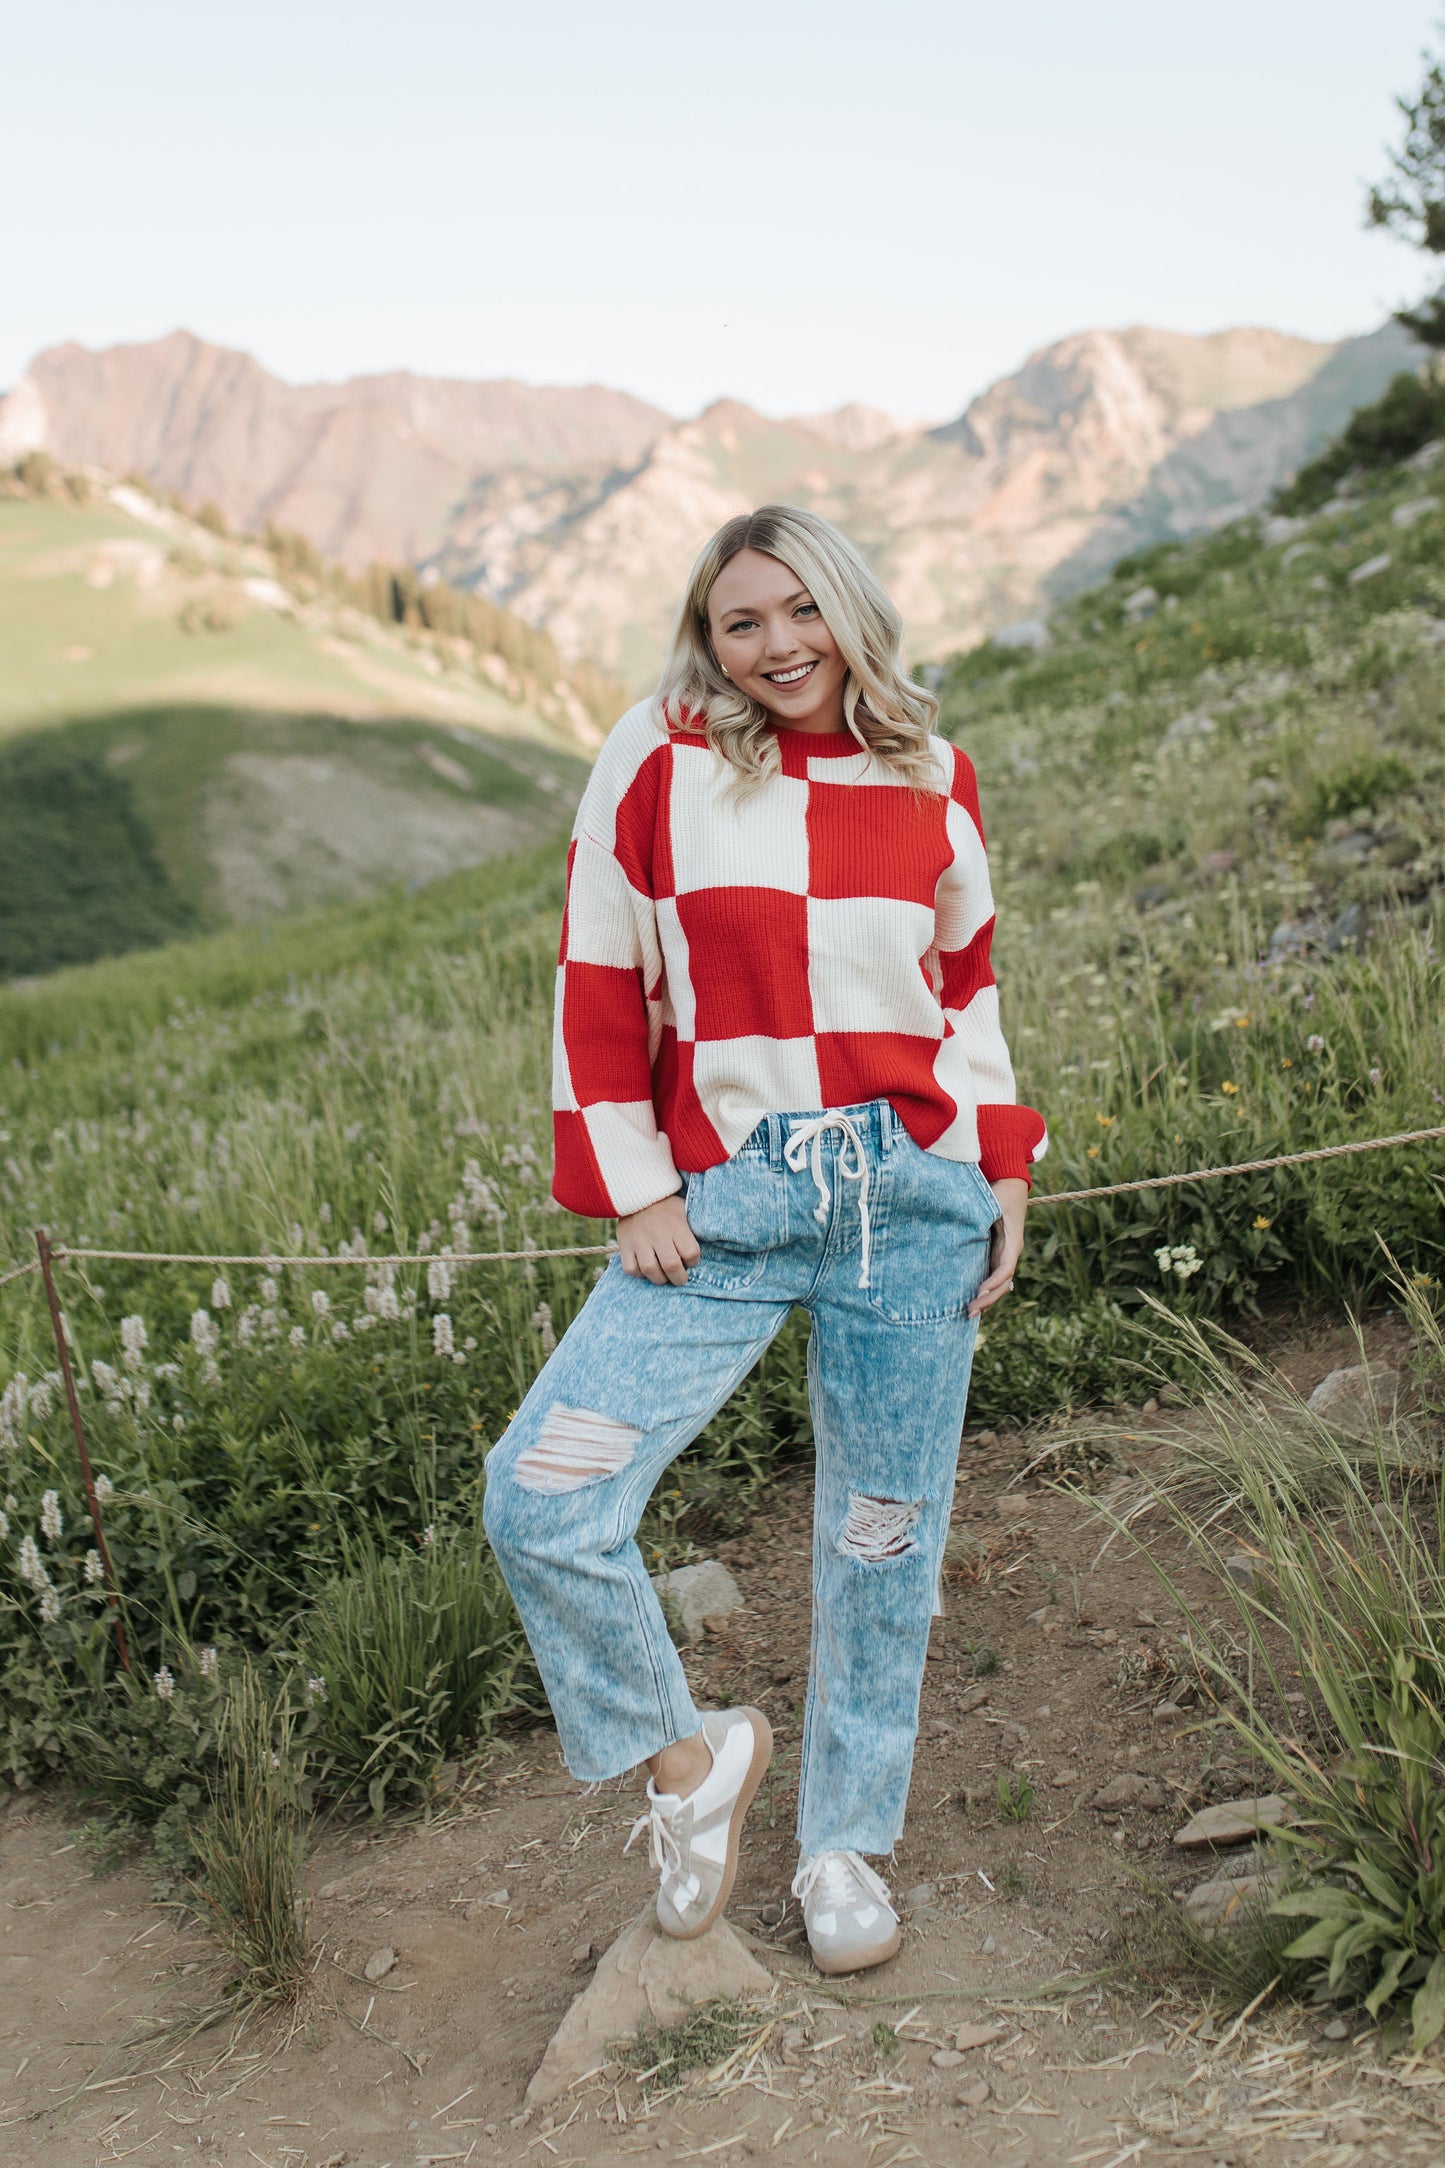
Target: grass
x,y
250,1848
715,2035
1329,1665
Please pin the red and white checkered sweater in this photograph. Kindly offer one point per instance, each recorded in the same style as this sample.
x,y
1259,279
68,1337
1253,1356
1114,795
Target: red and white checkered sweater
x,y
818,944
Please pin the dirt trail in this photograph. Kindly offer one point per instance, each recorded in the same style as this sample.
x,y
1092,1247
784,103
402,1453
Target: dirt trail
x,y
497,1909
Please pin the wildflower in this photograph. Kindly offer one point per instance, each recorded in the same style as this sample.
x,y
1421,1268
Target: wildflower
x,y
270,1324
388,1309
204,1337
165,1682
1314,1044
42,1397
429,1536
246,1323
1241,1023
441,1334
49,1606
208,1663
104,1488
1106,1121
1422,1279
1377,1077
378,1223
30,1566
141,1393
1093,1151
1183,1260
50,1521
4,1526
324,1215
94,1570
297,1336
1260,1223
270,1292
438,1280
167,1373
542,1324
1230,1090
316,1688
1285,1062
107,1382
178,1423
320,1301
363,1321
470,1344
220,1295
134,1341
340,1329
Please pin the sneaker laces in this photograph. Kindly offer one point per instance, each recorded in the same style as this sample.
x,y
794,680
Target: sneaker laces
x,y
663,1847
840,1874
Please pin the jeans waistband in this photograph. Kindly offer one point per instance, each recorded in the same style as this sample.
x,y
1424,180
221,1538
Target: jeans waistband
x,y
875,1121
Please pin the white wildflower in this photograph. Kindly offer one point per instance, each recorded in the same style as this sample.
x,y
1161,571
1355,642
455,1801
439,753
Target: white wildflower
x,y
165,1682
296,1235
470,1344
388,1309
378,1223
320,1301
1314,1044
178,1423
167,1373
438,1280
134,1341
4,1526
324,1215
107,1382
220,1295
50,1518
104,1488
208,1663
297,1336
316,1689
42,1397
1377,1077
247,1322
141,1393
441,1335
1183,1260
429,1535
49,1606
340,1330
364,1321
270,1324
372,1299
205,1339
270,1292
542,1324
29,1565
94,1570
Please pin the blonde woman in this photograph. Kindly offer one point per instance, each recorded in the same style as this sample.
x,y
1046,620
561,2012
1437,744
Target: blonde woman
x,y
779,1067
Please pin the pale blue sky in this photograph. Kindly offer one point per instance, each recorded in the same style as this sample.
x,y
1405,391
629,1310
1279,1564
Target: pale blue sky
x,y
796,202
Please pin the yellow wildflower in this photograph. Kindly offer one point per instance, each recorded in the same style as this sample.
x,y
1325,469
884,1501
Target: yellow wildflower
x,y
1105,1121
1093,1151
1241,1023
1229,1090
1285,1062
1260,1223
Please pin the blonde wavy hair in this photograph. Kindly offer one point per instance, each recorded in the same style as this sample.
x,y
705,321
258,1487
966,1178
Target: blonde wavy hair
x,y
888,714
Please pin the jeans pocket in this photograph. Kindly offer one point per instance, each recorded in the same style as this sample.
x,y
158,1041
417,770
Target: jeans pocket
x,y
931,1238
739,1213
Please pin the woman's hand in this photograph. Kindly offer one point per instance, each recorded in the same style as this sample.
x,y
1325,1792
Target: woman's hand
x,y
658,1245
1007,1245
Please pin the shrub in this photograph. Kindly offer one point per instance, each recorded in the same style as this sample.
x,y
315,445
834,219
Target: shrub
x,y
1409,413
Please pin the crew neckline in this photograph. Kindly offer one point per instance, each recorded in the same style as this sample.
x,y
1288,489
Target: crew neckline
x,y
819,744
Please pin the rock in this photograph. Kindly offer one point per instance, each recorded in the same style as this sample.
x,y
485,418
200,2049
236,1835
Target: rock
x,y
923,1893
1370,568
501,1898
1011,1506
1351,1401
1063,1777
986,1438
945,2058
379,1964
1351,2129
1214,1903
978,2036
940,1728
1142,603
693,1594
1028,632
583,1953
1408,515
1347,929
644,1974
1121,1791
1145,1618
972,1697
1242,1570
972,2096
1237,1822
1150,1407
988,1946
1279,528
1337,2029
1166,1711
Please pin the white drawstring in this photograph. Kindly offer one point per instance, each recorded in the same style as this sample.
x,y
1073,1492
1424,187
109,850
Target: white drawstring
x,y
800,1136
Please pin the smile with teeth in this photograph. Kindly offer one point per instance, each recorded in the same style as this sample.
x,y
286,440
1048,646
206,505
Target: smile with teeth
x,y
795,676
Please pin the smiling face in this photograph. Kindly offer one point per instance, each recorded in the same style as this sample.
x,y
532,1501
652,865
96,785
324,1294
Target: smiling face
x,y
768,635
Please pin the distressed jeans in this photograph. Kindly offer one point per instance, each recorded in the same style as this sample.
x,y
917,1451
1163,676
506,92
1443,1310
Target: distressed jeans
x,y
884,1245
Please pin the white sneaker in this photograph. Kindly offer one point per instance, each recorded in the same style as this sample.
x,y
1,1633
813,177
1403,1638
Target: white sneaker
x,y
848,1912
694,1841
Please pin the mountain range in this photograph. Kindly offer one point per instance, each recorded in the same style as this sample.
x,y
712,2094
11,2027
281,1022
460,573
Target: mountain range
x,y
582,508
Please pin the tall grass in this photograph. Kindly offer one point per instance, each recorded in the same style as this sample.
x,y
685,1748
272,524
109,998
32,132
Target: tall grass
x,y
1330,1661
251,1844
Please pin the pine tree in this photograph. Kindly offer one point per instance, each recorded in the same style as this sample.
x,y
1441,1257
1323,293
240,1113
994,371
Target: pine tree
x,y
1411,202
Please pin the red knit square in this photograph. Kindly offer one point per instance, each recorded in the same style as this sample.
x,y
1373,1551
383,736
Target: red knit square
x,y
966,970
769,998
695,1143
875,840
604,1026
856,1066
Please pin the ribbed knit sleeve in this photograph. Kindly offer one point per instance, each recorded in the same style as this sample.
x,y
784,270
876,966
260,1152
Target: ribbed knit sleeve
x,y
610,1157
1011,1137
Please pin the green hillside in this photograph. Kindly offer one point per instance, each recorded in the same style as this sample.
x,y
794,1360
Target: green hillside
x,y
196,729
1218,832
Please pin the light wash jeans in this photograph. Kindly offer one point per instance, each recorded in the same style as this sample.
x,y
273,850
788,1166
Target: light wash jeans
x,y
885,1246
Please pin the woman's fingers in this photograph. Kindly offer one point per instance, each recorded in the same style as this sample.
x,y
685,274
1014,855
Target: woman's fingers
x,y
1001,1279
660,1262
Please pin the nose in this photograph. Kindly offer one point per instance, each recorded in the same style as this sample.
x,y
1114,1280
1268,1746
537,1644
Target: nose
x,y
782,639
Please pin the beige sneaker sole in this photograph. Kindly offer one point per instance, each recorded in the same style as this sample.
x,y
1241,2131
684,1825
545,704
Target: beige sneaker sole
x,y
833,1967
757,1768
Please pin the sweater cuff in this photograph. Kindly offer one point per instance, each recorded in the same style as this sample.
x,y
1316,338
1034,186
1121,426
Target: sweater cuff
x,y
1010,1139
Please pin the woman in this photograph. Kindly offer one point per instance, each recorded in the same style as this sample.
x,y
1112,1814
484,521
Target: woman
x,y
779,1066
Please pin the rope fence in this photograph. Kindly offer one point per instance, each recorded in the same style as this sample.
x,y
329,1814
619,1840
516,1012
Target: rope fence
x,y
50,1254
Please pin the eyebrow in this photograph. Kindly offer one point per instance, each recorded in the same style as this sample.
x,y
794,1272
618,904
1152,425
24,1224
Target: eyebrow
x,y
799,594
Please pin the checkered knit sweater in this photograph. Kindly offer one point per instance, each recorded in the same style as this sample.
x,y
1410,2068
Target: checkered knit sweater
x,y
820,943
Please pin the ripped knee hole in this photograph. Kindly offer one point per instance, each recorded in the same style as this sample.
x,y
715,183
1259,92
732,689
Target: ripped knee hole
x,y
575,1446
879,1528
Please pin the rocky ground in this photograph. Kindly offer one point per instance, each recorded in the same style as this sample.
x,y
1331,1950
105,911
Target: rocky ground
x,y
447,1951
